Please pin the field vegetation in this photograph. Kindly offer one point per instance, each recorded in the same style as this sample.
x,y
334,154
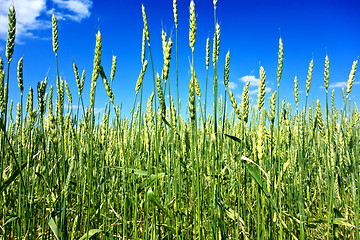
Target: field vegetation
x,y
263,170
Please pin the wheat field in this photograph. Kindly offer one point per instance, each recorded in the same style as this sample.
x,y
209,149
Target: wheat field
x,y
246,170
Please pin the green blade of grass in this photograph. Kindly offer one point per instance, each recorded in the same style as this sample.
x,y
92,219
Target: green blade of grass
x,y
53,227
90,233
153,178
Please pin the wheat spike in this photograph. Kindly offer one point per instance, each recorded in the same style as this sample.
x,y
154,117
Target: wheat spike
x,y
145,24
175,10
227,69
55,34
326,73
113,68
192,98
234,104
309,76
68,93
351,78
20,75
143,40
96,68
207,57
280,61
296,91
192,30
245,102
216,45
272,107
141,76
160,94
11,33
261,90
107,85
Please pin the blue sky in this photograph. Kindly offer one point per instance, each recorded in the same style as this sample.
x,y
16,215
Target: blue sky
x,y
250,29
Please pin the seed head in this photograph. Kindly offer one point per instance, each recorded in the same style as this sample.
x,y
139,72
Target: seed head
x,y
29,102
160,94
107,85
50,103
149,112
145,24
192,31
96,69
20,75
216,46
296,91
143,45
55,34
309,76
280,61
234,104
260,142
41,88
77,76
113,68
81,83
326,73
167,46
192,99
214,3
351,78
272,107
196,85
175,10
11,33
245,102
141,76
207,58
68,93
227,69
261,90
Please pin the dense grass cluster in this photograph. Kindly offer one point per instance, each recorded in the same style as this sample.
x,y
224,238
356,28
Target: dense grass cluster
x,y
246,172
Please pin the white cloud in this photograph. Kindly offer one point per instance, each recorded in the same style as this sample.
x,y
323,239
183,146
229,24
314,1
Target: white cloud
x,y
27,12
254,82
98,110
232,85
30,14
75,10
238,96
340,85
255,91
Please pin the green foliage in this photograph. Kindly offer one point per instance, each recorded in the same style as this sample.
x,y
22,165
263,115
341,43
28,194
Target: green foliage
x,y
270,173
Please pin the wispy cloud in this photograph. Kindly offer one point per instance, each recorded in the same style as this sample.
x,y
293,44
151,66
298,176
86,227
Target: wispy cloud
x,y
96,110
254,82
33,14
232,85
255,91
27,12
339,85
75,10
